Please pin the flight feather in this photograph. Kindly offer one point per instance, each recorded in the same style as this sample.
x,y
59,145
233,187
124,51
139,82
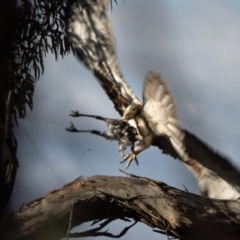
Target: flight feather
x,y
160,112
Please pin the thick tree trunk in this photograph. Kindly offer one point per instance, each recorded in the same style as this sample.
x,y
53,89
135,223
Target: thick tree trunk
x,y
179,214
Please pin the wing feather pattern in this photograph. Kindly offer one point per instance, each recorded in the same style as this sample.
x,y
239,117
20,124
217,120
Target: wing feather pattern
x,y
160,112
89,33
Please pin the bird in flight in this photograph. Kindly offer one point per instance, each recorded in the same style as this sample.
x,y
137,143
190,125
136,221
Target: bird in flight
x,y
157,116
89,33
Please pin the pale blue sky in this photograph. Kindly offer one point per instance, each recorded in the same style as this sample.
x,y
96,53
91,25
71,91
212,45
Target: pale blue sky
x,y
195,45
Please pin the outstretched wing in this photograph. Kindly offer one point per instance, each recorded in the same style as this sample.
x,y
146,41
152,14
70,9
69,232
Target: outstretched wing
x,y
160,113
89,33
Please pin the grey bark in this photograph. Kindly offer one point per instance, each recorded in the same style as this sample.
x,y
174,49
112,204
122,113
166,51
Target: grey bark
x,y
178,213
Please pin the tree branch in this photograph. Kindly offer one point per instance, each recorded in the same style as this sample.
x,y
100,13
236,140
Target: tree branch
x,y
180,214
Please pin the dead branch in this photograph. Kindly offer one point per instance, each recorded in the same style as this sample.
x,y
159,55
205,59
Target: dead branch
x,y
180,214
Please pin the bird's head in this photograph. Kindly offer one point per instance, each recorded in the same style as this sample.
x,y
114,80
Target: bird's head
x,y
131,111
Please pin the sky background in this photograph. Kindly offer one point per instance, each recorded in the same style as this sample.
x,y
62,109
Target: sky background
x,y
195,45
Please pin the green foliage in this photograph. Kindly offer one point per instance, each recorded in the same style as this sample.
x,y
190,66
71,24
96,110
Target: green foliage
x,y
39,29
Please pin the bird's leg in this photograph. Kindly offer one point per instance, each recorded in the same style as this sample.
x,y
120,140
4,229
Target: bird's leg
x,y
130,157
77,114
133,111
135,150
121,149
106,134
122,154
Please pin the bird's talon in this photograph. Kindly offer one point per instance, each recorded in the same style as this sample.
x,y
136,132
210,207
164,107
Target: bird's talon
x,y
130,157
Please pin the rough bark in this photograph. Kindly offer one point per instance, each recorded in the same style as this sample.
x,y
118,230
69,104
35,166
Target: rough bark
x,y
178,213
